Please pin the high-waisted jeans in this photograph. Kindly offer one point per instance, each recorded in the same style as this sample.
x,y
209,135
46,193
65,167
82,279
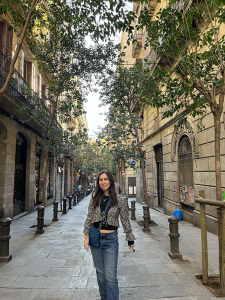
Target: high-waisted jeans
x,y
105,259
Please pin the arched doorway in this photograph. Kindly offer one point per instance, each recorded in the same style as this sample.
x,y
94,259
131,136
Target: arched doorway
x,y
37,200
20,175
186,187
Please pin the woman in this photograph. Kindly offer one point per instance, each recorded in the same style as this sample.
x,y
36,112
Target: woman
x,y
105,256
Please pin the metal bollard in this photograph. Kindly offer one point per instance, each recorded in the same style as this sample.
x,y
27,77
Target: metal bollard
x,y
55,211
174,238
70,202
4,240
133,210
74,199
146,217
64,206
40,220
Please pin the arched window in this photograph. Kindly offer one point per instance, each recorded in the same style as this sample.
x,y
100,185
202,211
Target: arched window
x,y
186,187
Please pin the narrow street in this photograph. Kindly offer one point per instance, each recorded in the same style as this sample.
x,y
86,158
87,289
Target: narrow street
x,y
54,265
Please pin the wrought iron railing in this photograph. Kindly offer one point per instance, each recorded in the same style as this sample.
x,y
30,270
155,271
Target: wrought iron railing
x,y
18,88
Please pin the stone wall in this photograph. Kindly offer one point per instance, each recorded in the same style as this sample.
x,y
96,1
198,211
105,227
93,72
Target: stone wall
x,y
203,153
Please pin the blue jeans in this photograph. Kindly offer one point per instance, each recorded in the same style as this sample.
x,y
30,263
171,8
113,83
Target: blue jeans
x,y
105,259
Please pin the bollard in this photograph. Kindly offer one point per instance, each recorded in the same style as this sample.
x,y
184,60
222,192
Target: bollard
x,y
64,206
133,210
55,211
78,197
74,199
40,220
4,240
70,202
146,218
174,238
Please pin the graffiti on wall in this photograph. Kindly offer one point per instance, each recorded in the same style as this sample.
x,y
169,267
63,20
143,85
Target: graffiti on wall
x,y
186,195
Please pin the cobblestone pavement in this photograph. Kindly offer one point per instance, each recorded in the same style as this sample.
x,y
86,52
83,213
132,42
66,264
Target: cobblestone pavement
x,y
55,265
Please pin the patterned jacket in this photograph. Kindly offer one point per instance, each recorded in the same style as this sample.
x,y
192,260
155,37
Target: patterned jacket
x,y
94,215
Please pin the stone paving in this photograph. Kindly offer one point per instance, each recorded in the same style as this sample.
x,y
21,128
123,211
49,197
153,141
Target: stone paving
x,y
55,266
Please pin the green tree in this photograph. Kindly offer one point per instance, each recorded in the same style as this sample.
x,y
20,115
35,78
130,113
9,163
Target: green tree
x,y
91,158
67,62
97,18
120,138
122,91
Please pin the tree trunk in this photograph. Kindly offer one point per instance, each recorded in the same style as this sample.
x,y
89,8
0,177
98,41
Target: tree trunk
x,y
46,158
12,64
123,189
144,179
120,176
141,152
218,184
61,190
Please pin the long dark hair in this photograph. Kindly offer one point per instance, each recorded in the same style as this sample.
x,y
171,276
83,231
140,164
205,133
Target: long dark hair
x,y
98,193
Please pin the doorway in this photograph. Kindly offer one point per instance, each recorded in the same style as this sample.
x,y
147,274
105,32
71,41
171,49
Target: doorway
x,y
159,164
20,175
131,186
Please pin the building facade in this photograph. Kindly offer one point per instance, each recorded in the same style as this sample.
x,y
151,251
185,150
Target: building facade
x,y
180,161
21,155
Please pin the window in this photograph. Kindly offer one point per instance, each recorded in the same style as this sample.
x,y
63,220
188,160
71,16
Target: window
x,y
6,39
39,87
21,66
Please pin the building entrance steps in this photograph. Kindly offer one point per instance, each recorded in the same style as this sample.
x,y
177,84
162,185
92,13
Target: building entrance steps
x,y
55,265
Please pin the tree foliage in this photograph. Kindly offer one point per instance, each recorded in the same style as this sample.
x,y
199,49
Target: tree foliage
x,y
123,90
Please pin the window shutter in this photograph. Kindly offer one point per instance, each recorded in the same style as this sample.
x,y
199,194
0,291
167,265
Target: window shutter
x,y
21,70
25,69
9,42
39,85
43,90
2,35
33,78
29,72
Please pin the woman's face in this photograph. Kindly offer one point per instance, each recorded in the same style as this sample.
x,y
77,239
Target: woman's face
x,y
104,182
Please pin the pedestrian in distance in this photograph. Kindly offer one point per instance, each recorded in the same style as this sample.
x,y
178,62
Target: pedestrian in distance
x,y
107,203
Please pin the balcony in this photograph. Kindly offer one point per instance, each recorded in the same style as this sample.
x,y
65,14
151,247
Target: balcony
x,y
17,89
152,58
137,44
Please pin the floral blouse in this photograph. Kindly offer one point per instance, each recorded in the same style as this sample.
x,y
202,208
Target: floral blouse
x,y
94,215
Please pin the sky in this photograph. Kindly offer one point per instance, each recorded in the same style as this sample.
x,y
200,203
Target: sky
x,y
95,115
94,119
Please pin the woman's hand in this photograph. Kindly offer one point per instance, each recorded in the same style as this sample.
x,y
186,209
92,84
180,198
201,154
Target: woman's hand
x,y
86,242
131,246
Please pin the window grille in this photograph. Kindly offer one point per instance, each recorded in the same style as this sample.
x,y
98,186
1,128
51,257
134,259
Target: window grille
x,y
185,146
